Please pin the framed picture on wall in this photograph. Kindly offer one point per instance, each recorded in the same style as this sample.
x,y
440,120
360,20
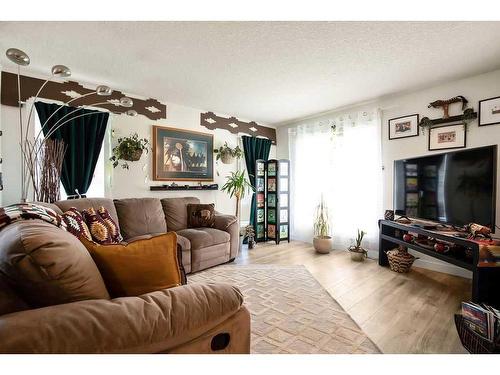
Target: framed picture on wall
x,y
403,127
489,111
182,155
447,137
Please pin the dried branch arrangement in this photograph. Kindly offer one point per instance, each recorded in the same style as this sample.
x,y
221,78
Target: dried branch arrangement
x,y
45,169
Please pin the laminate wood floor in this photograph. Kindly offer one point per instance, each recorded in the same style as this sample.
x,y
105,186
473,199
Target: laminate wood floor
x,y
401,313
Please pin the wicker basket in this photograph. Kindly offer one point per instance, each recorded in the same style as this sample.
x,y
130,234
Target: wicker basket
x,y
400,260
473,342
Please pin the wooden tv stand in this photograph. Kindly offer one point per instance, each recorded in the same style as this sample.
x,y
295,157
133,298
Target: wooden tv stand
x,y
485,280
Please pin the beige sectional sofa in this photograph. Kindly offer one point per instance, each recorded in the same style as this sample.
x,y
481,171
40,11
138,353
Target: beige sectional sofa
x,y
53,298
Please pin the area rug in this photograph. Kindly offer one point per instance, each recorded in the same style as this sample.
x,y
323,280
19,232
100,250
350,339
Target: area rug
x,y
291,312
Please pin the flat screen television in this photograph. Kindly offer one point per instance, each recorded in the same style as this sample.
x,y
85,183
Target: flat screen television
x,y
454,188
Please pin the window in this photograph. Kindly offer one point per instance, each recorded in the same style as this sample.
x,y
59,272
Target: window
x,y
96,188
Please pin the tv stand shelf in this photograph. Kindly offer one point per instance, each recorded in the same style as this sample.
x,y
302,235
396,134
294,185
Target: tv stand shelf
x,y
485,280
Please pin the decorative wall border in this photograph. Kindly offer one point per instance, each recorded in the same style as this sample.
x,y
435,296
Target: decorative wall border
x,y
66,90
211,121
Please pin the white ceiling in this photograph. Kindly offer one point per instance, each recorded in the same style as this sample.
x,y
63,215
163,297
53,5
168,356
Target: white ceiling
x,y
269,72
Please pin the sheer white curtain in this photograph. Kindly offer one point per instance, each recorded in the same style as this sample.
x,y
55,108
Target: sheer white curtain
x,y
339,157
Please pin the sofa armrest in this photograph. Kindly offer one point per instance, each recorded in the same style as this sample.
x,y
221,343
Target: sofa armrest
x,y
151,323
230,224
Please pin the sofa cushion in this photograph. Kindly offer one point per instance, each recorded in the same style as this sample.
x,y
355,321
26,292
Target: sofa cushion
x,y
98,229
114,231
139,216
201,215
47,265
75,224
142,266
151,323
204,237
175,210
9,301
185,245
84,203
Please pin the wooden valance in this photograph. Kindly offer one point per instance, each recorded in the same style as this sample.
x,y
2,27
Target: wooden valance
x,y
211,121
67,90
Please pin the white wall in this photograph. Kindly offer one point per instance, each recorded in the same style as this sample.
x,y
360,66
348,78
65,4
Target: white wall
x,y
122,183
136,180
473,88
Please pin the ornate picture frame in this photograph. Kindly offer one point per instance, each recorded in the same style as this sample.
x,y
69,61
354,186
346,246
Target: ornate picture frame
x,y
182,155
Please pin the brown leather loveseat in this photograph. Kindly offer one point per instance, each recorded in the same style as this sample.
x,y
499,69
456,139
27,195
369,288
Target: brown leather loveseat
x,y
53,298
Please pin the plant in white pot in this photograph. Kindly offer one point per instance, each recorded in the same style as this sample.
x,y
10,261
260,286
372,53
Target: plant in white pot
x,y
322,241
358,254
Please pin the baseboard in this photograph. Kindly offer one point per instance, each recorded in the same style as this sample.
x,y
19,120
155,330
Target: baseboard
x,y
433,265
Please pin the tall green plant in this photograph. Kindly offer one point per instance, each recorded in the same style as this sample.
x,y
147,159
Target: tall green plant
x,y
237,186
322,221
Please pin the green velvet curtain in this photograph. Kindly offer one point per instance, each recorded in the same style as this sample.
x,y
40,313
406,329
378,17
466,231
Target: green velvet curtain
x,y
254,149
83,136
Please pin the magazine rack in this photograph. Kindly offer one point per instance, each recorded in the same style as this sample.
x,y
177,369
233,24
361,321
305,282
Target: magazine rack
x,y
471,341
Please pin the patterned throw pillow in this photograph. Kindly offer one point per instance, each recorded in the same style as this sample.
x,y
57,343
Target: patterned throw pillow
x,y
98,228
75,224
110,223
201,215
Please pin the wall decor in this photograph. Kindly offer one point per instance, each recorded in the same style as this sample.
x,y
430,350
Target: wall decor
x,y
182,155
489,111
211,121
445,104
447,137
80,95
403,127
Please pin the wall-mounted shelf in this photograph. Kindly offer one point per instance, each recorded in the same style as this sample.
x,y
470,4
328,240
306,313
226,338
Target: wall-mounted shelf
x,y
183,187
468,115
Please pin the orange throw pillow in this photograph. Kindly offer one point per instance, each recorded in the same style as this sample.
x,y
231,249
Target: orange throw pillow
x,y
139,267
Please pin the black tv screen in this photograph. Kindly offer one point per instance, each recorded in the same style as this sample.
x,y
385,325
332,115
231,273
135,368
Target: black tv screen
x,y
455,187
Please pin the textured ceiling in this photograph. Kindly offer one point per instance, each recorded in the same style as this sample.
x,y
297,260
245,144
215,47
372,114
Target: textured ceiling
x,y
270,72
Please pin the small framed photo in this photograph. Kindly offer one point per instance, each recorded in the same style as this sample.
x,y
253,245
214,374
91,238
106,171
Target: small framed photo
x,y
446,137
403,127
489,111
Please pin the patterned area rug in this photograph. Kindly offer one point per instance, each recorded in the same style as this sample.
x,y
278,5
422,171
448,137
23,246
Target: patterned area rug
x,y
291,312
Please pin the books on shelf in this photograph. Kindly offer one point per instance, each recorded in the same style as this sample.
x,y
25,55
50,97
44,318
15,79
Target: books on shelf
x,y
482,319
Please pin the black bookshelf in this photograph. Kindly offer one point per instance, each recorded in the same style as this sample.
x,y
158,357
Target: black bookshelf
x,y
485,280
272,202
260,201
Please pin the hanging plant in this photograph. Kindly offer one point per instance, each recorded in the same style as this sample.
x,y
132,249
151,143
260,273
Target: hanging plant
x,y
129,149
227,154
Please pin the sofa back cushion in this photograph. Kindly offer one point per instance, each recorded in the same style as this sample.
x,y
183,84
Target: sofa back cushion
x,y
140,216
9,301
47,265
175,210
85,203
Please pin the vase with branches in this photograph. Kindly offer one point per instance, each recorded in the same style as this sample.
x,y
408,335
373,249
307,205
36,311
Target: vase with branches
x,y
322,241
237,186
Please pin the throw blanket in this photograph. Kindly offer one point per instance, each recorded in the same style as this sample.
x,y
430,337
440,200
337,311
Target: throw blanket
x,y
27,211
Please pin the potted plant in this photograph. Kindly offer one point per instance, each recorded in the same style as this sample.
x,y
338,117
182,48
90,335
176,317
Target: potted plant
x,y
322,241
250,235
358,254
227,154
236,186
128,149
